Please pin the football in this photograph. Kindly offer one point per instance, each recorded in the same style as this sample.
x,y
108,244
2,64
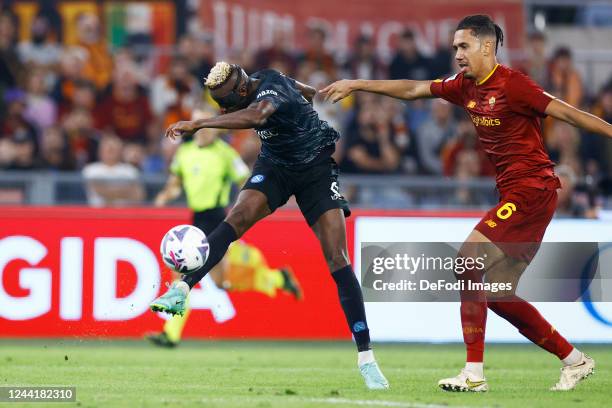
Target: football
x,y
184,249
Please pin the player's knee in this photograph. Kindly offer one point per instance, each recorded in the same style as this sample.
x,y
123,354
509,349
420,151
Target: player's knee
x,y
336,259
241,218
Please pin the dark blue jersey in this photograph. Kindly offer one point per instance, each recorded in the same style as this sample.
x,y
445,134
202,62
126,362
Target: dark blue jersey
x,y
293,135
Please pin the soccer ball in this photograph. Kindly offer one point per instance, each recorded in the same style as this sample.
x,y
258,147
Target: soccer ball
x,y
184,249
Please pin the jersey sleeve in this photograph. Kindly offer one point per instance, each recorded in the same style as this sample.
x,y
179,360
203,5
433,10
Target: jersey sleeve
x,y
450,89
526,97
273,90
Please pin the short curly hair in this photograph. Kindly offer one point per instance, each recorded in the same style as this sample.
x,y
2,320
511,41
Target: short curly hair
x,y
219,74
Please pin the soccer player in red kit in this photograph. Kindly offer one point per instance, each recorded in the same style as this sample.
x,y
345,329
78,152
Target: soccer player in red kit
x,y
505,107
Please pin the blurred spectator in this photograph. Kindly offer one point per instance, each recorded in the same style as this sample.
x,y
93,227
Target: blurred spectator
x,y
278,55
467,167
442,61
433,135
565,81
563,146
23,152
134,154
109,181
40,108
315,53
98,66
571,203
363,62
72,63
43,50
597,150
402,138
371,149
536,65
199,53
454,160
11,69
55,152
408,63
14,123
173,96
327,111
125,109
82,137
83,97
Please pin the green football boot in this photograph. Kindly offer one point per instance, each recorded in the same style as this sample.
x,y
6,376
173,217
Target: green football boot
x,y
173,301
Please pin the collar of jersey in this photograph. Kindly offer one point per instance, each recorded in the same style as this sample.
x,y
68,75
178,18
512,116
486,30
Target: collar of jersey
x,y
488,76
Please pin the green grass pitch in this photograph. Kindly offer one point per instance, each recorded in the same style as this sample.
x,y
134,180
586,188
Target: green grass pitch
x,y
288,375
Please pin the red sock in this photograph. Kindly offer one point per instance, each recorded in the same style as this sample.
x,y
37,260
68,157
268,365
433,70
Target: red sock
x,y
532,325
473,318
473,323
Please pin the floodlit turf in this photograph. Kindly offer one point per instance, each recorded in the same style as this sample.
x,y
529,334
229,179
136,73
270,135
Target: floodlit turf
x,y
267,374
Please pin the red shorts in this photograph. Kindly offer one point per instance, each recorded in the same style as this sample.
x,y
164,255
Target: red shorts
x,y
518,223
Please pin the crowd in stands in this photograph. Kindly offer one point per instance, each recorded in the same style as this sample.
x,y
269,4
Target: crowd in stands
x,y
84,108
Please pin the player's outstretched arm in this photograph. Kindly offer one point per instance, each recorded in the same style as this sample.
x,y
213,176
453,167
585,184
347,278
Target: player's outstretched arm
x,y
307,91
254,115
576,117
401,88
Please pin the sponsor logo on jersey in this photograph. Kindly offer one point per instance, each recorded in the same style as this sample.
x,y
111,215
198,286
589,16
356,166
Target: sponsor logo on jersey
x,y
471,104
258,178
266,92
266,134
483,121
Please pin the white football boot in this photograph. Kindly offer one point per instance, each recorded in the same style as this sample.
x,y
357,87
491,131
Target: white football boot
x,y
573,374
464,382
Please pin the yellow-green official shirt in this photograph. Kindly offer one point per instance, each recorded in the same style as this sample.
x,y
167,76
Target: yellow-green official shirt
x,y
207,173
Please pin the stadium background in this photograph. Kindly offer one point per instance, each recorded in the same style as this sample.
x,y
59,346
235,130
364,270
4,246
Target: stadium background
x,y
74,73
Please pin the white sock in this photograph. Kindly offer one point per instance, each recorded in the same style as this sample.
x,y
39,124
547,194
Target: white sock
x,y
573,358
476,369
364,357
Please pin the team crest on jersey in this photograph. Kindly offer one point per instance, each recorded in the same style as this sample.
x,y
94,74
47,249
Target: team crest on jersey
x,y
471,104
258,178
492,102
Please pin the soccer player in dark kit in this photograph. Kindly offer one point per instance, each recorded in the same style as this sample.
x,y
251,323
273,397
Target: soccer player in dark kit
x,y
295,159
505,106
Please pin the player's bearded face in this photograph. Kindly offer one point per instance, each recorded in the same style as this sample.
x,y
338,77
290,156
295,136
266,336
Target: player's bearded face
x,y
470,52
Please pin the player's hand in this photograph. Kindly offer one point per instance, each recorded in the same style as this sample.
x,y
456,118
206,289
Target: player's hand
x,y
180,129
338,90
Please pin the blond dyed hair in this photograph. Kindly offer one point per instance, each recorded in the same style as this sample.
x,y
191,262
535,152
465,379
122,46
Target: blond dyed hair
x,y
218,74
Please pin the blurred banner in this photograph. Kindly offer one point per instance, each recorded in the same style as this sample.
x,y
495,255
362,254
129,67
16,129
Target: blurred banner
x,y
89,272
81,272
130,23
239,24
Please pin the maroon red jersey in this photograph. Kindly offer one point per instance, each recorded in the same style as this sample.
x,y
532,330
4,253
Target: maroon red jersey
x,y
506,108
